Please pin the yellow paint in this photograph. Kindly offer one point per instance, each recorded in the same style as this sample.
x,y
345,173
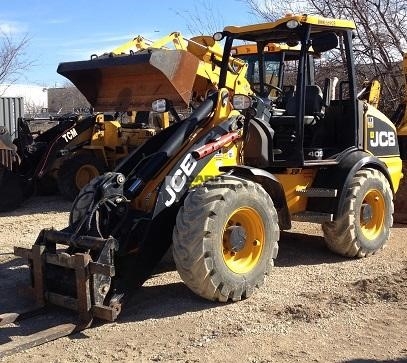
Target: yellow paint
x,y
251,48
394,166
372,228
245,259
302,19
292,181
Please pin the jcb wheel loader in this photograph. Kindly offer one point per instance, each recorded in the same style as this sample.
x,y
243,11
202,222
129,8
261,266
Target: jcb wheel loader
x,y
223,182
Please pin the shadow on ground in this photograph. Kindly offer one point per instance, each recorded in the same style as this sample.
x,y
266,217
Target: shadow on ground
x,y
304,249
40,204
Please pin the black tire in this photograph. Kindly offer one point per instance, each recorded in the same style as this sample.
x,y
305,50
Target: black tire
x,y
11,190
76,172
353,234
203,241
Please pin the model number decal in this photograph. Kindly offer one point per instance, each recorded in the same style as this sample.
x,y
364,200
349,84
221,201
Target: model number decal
x,y
178,180
382,138
69,135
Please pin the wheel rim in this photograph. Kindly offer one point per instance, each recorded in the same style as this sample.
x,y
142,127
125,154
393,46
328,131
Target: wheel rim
x,y
372,223
85,174
243,257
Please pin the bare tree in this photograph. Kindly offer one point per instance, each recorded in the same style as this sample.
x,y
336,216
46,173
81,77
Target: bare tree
x,y
31,109
271,10
381,27
203,19
12,58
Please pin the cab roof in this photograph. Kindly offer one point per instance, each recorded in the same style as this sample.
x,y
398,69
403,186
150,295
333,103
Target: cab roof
x,y
278,30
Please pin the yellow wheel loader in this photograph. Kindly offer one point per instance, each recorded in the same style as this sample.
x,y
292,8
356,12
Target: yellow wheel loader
x,y
221,184
69,155
111,139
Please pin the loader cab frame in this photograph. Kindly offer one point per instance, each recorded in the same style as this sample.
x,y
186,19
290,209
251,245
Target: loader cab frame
x,y
300,137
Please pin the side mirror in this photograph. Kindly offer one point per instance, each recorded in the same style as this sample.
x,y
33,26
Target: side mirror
x,y
241,102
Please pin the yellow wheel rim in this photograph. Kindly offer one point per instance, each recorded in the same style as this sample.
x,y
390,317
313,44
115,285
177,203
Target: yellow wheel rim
x,y
85,174
372,224
243,255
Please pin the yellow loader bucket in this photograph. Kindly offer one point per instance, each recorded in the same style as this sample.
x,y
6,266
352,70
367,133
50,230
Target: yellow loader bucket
x,y
133,82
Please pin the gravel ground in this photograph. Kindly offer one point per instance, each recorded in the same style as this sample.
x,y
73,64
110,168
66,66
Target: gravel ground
x,y
314,307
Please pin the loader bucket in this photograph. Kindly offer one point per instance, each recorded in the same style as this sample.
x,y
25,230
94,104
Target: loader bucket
x,y
133,82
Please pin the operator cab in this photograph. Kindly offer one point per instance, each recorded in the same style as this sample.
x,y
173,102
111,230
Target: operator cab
x,y
316,123
280,68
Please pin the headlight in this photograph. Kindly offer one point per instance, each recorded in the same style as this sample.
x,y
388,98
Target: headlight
x,y
292,24
160,105
218,36
241,102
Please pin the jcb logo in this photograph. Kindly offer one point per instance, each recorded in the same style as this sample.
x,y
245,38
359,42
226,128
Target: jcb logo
x,y
69,135
382,138
178,180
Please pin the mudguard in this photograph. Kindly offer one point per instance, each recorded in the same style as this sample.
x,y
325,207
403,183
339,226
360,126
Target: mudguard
x,y
339,177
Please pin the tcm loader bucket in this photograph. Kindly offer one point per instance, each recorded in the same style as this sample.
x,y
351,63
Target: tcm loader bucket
x,y
133,82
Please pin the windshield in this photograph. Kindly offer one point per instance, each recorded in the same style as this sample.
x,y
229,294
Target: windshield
x,y
272,67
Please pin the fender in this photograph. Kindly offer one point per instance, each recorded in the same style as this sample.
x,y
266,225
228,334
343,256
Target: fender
x,y
270,184
340,177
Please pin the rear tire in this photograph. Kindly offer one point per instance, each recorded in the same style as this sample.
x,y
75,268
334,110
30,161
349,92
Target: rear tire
x,y
76,172
225,239
364,227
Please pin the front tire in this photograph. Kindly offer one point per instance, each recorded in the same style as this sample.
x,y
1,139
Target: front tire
x,y
364,227
225,239
11,190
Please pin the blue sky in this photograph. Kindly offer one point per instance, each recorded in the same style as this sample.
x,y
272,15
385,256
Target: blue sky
x,y
62,31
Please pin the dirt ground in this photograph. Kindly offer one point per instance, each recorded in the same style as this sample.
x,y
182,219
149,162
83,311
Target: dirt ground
x,y
314,307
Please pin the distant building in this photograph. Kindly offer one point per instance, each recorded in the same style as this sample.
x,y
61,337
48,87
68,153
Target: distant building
x,y
66,100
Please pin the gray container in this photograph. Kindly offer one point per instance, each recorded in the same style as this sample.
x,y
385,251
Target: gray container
x,y
11,108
